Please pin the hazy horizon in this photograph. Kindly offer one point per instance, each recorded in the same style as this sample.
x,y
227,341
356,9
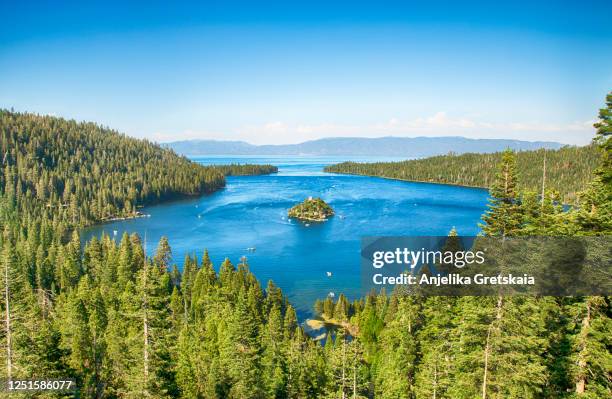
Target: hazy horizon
x,y
282,73
351,137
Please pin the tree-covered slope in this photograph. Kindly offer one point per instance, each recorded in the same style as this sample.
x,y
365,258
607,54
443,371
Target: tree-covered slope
x,y
81,173
567,169
246,169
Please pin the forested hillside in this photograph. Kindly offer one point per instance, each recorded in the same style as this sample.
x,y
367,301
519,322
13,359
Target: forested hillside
x,y
81,173
246,169
568,169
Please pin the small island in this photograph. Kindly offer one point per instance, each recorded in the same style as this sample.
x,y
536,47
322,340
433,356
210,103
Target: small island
x,y
312,209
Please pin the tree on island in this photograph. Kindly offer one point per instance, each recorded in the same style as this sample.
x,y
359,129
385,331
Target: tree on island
x,y
314,209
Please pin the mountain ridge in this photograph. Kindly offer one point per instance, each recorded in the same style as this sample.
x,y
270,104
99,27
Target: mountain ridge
x,y
382,146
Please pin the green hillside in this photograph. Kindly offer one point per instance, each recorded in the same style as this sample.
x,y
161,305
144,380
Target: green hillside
x,y
81,173
246,169
567,169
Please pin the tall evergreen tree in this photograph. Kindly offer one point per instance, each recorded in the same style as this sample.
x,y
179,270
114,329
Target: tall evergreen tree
x,y
243,353
595,214
590,336
438,346
83,323
504,215
163,254
396,367
12,285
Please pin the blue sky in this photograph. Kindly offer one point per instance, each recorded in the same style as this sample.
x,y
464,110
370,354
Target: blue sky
x,y
277,72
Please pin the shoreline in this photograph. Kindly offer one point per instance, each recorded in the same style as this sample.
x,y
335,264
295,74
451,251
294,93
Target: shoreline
x,y
308,219
410,181
177,198
138,215
422,181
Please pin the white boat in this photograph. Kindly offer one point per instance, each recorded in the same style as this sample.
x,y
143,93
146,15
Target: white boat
x,y
114,232
329,274
331,295
307,224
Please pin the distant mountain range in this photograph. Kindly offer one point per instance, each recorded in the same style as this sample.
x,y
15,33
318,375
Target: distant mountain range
x,y
408,147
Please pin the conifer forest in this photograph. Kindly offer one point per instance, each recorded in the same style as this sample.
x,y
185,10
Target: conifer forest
x,y
127,325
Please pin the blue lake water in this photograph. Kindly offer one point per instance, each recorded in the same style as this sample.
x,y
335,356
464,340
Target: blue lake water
x,y
251,212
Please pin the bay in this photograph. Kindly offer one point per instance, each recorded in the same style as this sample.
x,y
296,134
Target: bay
x,y
251,212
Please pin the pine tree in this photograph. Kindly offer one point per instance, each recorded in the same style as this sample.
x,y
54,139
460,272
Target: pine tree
x,y
163,254
190,271
175,275
125,267
542,216
243,352
341,310
82,324
328,308
452,245
39,342
338,358
604,140
177,309
358,373
438,345
396,367
504,215
273,362
595,214
69,263
290,323
371,323
226,275
590,334
140,341
11,288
